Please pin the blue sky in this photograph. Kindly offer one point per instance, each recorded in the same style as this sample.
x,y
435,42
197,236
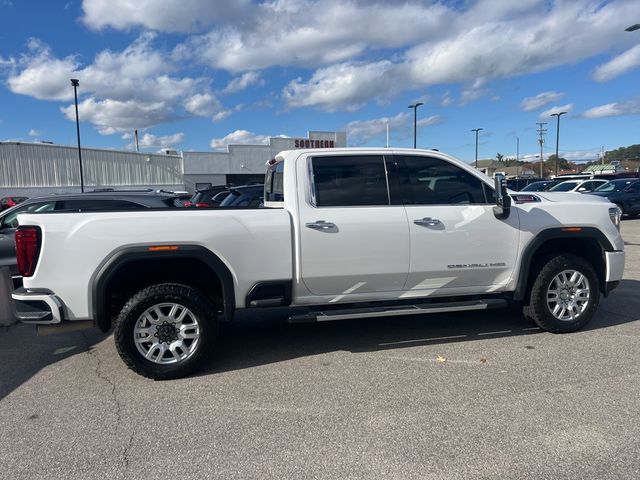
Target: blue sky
x,y
199,74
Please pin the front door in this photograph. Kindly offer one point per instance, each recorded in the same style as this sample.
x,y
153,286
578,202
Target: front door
x,y
352,241
458,246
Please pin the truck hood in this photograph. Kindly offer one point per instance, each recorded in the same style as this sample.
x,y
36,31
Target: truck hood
x,y
571,197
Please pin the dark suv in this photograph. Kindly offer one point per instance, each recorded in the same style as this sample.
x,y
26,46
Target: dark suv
x,y
245,196
84,202
624,192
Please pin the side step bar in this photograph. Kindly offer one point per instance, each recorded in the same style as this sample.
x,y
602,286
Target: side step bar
x,y
397,310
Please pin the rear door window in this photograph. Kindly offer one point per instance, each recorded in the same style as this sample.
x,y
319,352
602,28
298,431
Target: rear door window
x,y
349,180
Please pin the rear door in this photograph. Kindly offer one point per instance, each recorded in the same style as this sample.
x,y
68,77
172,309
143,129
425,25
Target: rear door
x,y
633,198
457,243
352,240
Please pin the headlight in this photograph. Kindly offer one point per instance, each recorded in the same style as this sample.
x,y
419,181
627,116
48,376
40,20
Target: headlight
x,y
615,214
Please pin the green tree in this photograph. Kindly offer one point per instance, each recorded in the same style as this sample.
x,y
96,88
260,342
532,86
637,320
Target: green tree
x,y
631,152
563,163
499,157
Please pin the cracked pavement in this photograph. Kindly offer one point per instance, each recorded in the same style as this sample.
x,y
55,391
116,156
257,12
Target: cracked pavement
x,y
469,395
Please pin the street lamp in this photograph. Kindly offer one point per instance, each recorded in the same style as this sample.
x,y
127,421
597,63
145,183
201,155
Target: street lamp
x,y
476,130
633,28
558,115
76,83
415,119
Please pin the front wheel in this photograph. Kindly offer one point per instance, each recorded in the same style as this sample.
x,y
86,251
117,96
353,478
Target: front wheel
x,y
166,331
565,294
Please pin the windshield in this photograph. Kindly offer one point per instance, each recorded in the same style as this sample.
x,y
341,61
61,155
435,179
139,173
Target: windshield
x,y
564,187
614,186
535,187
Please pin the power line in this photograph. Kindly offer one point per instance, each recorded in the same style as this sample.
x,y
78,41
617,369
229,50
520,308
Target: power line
x,y
541,132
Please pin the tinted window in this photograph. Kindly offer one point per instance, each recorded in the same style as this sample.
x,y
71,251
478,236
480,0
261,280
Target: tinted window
x,y
635,188
97,205
349,181
432,181
564,187
11,220
274,183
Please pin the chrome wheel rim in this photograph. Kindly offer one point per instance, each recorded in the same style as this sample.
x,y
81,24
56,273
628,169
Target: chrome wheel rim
x,y
167,333
568,295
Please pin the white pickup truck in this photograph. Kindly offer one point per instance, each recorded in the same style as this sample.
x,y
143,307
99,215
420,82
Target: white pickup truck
x,y
345,233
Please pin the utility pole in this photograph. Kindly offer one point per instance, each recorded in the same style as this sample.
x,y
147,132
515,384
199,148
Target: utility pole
x,y
476,130
415,119
541,131
135,134
517,149
557,115
76,83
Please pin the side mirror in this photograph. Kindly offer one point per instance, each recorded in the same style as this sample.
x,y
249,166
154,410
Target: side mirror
x,y
582,189
503,200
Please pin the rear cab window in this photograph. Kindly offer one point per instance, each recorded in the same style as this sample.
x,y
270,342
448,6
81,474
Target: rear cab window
x,y
349,181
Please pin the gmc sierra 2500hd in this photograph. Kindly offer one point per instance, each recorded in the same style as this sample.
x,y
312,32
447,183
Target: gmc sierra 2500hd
x,y
346,233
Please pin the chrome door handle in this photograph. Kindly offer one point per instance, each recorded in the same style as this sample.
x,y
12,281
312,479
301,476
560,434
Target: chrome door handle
x,y
320,225
427,222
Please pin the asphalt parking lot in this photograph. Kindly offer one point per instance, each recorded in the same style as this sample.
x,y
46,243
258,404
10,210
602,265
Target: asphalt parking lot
x,y
438,397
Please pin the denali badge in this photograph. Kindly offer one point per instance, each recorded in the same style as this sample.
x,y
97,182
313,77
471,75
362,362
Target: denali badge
x,y
477,265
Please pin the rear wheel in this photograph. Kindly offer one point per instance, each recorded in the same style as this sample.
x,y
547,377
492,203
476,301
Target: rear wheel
x,y
565,294
166,331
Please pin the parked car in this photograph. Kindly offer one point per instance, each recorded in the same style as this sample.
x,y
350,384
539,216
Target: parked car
x,y
579,186
625,193
245,196
204,197
338,236
8,202
85,202
517,184
541,186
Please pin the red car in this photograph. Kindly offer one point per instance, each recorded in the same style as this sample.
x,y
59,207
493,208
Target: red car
x,y
8,202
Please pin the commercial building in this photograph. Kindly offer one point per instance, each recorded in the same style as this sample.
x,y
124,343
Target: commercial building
x,y
32,169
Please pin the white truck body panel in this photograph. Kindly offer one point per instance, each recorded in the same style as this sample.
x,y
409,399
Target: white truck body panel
x,y
252,243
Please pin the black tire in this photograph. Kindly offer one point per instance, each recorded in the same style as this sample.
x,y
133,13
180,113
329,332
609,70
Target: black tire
x,y
538,309
203,312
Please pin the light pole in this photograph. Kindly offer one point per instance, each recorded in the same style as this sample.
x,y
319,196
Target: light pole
x,y
76,83
415,119
558,115
476,130
633,28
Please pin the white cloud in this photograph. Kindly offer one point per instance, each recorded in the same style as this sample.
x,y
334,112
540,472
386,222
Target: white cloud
x,y
168,16
149,140
202,104
132,88
43,76
618,65
557,109
533,103
617,109
240,137
446,99
344,86
218,117
360,132
114,116
245,80
316,32
34,133
473,49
